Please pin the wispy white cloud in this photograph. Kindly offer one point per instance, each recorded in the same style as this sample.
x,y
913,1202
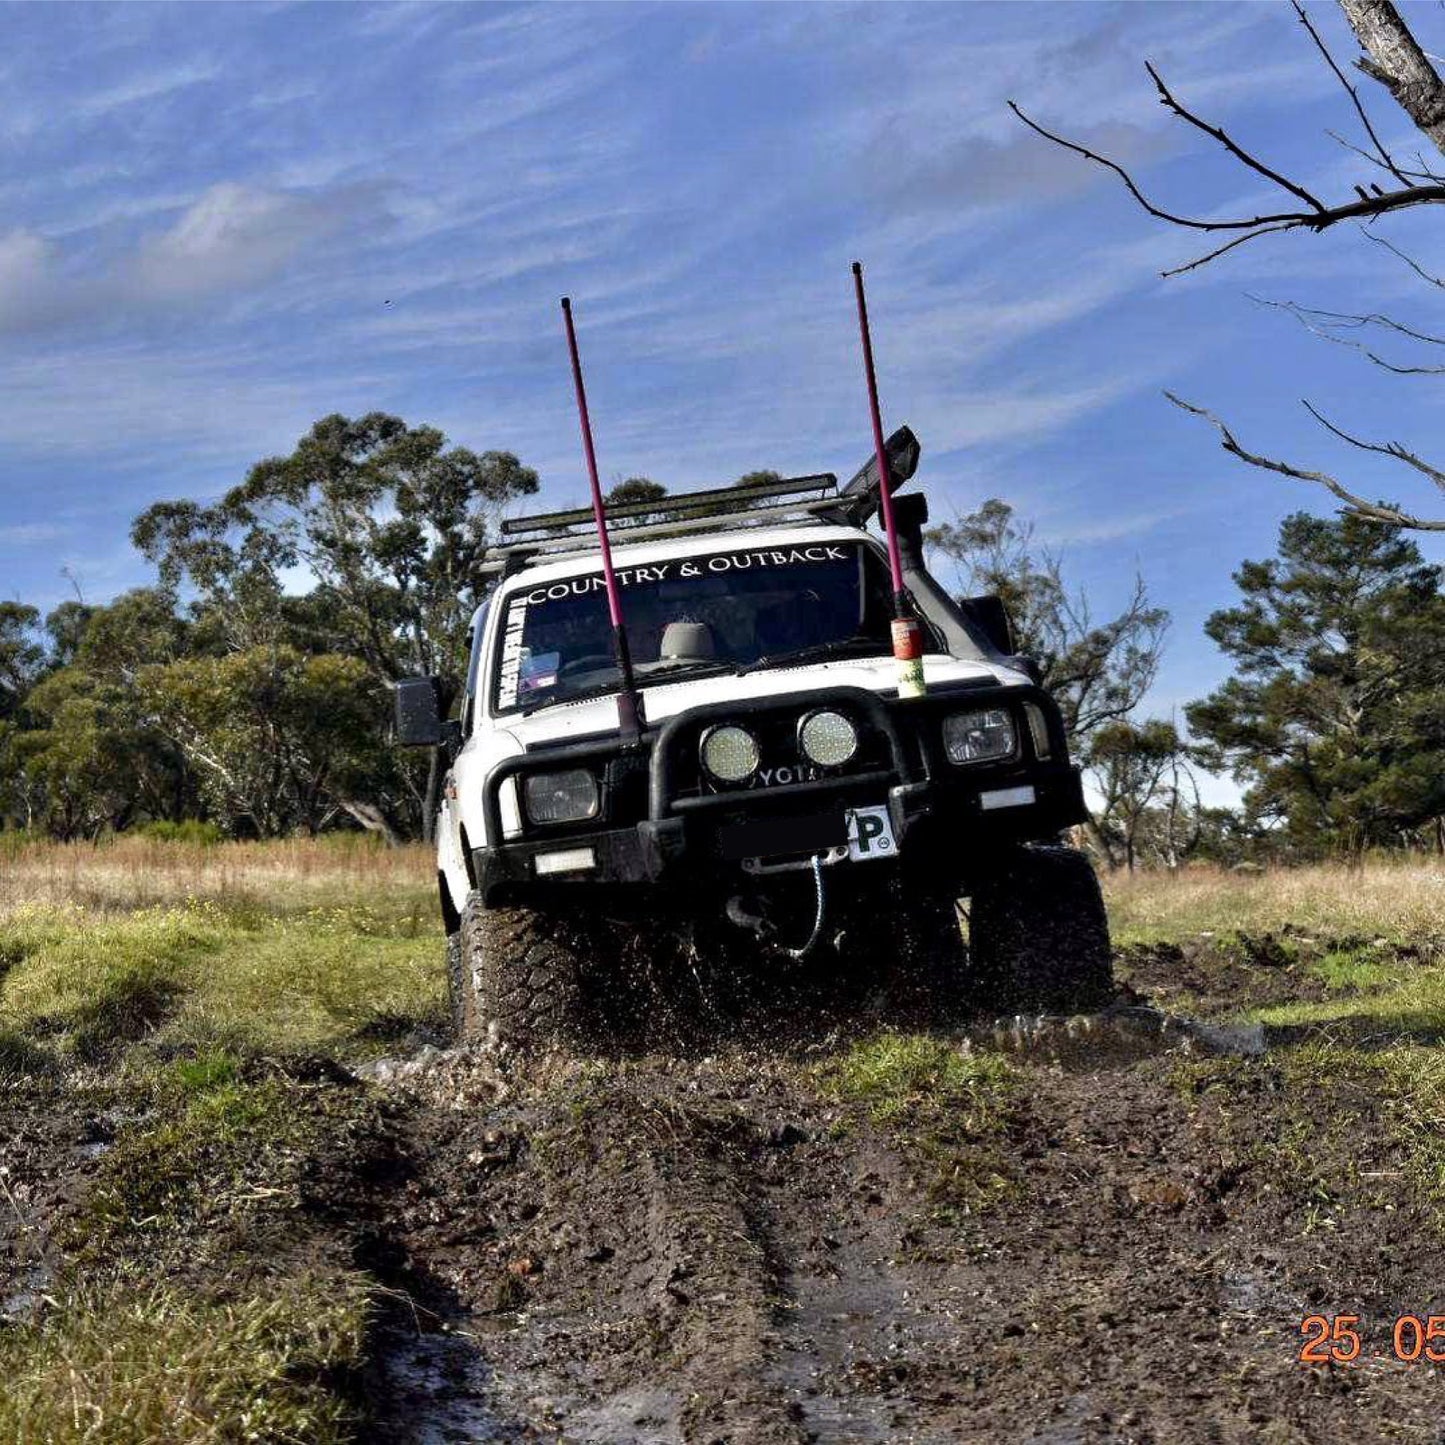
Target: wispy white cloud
x,y
229,238
1058,532
30,534
146,87
237,235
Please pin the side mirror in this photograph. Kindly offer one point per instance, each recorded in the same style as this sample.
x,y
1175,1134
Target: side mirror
x,y
418,717
991,618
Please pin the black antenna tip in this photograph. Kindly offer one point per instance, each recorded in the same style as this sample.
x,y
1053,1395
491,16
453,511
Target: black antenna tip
x,y
857,268
566,303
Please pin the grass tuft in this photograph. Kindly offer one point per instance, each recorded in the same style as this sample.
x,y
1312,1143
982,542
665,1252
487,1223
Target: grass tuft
x,y
133,1363
895,1073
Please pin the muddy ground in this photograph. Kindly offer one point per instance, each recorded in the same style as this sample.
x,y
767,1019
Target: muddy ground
x,y
1112,1235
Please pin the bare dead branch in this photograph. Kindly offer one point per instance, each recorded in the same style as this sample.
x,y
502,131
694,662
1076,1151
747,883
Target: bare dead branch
x,y
1410,261
1349,320
1325,324
1219,134
1364,155
1364,207
1327,333
1291,217
1219,251
1388,449
1385,158
1374,511
1425,169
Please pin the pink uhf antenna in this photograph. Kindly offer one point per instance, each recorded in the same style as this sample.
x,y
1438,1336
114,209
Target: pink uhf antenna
x,y
907,632
629,701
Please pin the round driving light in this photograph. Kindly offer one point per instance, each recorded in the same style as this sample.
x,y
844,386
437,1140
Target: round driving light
x,y
730,753
828,739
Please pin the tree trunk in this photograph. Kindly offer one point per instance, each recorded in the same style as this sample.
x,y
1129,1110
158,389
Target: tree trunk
x,y
1393,57
1102,846
431,804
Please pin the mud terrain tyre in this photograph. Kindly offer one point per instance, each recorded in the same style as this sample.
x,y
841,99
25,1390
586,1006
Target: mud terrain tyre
x,y
519,983
1039,935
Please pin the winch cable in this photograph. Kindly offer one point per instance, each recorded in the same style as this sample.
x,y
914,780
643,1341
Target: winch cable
x,y
813,937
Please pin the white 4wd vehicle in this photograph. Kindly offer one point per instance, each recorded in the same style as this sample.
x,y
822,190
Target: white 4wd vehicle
x,y
776,756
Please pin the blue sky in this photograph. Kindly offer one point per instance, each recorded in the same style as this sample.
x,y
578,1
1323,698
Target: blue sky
x,y
219,222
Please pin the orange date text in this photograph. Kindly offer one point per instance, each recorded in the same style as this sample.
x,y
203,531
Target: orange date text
x,y
1339,1339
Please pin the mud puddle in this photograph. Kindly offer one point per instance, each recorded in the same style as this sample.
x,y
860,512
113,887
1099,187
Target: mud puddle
x,y
435,1388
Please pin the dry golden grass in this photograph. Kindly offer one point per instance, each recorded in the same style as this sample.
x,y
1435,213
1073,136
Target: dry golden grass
x,y
127,873
1396,897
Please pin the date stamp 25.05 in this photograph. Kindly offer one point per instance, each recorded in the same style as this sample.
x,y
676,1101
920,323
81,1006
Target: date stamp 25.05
x,y
1340,1339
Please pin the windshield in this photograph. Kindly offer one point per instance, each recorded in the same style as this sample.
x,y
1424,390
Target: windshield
x,y
714,612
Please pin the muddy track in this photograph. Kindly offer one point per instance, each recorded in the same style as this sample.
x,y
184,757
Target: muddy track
x,y
1101,1232
720,1250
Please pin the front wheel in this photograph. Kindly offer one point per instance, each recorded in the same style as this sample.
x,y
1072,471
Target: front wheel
x,y
1039,934
517,981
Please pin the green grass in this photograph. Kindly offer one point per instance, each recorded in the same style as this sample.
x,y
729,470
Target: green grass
x,y
203,1291
1374,999
337,980
133,1362
221,1141
894,1074
951,1111
201,1297
1357,969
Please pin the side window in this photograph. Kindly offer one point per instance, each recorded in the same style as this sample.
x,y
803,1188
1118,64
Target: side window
x,y
474,666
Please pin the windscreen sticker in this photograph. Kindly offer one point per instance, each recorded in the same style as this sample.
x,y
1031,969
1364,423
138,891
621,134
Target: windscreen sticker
x,y
510,672
511,669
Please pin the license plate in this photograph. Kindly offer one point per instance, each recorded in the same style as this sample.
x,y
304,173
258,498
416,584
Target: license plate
x,y
870,834
774,837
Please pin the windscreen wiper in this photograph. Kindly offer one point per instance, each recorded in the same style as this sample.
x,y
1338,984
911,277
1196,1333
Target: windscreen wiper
x,y
821,652
679,667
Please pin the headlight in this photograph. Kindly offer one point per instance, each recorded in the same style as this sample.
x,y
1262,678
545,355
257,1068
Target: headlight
x,y
979,737
828,739
561,797
730,753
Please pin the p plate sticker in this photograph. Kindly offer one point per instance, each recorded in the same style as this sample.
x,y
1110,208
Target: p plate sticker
x,y
870,834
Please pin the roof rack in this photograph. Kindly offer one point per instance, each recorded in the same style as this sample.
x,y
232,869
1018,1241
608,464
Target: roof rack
x,y
811,498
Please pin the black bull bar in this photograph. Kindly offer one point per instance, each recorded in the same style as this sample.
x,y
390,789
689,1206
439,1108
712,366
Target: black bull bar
x,y
918,782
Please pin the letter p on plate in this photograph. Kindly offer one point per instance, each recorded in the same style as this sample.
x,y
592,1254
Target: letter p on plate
x,y
870,834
